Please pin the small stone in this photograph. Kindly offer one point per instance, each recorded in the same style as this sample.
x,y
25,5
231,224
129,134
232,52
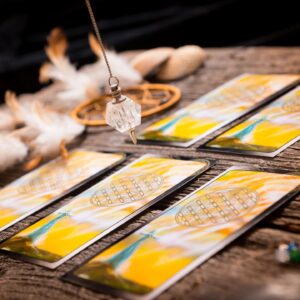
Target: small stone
x,y
282,254
123,116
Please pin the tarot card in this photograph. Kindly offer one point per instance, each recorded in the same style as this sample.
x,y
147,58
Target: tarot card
x,y
51,182
217,108
152,258
102,208
266,133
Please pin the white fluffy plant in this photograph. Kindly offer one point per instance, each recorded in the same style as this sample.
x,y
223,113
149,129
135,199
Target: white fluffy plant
x,y
121,68
86,82
43,135
74,84
12,151
46,132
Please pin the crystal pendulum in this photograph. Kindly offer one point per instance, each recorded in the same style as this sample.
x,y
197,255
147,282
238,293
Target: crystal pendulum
x,y
122,113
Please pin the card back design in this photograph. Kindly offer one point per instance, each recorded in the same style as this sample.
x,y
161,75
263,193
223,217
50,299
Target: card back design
x,y
217,207
266,133
149,260
50,182
100,209
217,108
126,190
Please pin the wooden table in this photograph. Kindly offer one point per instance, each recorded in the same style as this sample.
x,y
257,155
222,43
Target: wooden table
x,y
244,270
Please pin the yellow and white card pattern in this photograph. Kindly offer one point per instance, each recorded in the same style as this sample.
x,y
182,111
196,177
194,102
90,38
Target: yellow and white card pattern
x,y
217,107
41,186
268,130
170,245
90,213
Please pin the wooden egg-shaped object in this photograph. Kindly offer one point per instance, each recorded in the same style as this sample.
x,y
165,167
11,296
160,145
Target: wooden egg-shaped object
x,y
182,62
126,190
149,61
217,207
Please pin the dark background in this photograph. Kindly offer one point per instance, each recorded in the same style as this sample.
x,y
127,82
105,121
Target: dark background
x,y
24,25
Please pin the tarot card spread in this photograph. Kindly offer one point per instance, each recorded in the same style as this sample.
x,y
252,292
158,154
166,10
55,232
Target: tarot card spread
x,y
50,182
266,133
217,108
100,209
152,258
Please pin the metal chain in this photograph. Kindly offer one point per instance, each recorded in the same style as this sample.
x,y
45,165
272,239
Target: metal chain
x,y
99,38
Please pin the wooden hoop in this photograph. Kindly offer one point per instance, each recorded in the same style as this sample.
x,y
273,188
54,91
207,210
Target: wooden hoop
x,y
175,95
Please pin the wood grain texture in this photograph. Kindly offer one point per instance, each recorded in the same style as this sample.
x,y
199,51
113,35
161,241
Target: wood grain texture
x,y
244,270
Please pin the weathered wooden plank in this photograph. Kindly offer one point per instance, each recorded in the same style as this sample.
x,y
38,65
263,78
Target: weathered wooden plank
x,y
244,269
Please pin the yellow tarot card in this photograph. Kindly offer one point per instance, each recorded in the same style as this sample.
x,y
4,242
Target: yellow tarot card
x,y
151,259
100,209
266,133
217,108
51,182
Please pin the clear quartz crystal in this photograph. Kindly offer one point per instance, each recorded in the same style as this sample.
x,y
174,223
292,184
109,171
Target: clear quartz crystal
x,y
123,115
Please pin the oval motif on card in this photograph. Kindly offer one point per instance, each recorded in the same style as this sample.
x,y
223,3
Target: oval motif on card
x,y
53,180
229,95
127,190
217,207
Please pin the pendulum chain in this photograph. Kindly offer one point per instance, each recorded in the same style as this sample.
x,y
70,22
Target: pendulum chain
x,y
99,38
126,118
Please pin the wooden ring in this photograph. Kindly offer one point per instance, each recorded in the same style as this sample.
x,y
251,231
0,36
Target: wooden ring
x,y
171,92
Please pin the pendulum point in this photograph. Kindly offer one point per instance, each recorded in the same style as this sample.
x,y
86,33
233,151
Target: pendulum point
x,y
133,136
